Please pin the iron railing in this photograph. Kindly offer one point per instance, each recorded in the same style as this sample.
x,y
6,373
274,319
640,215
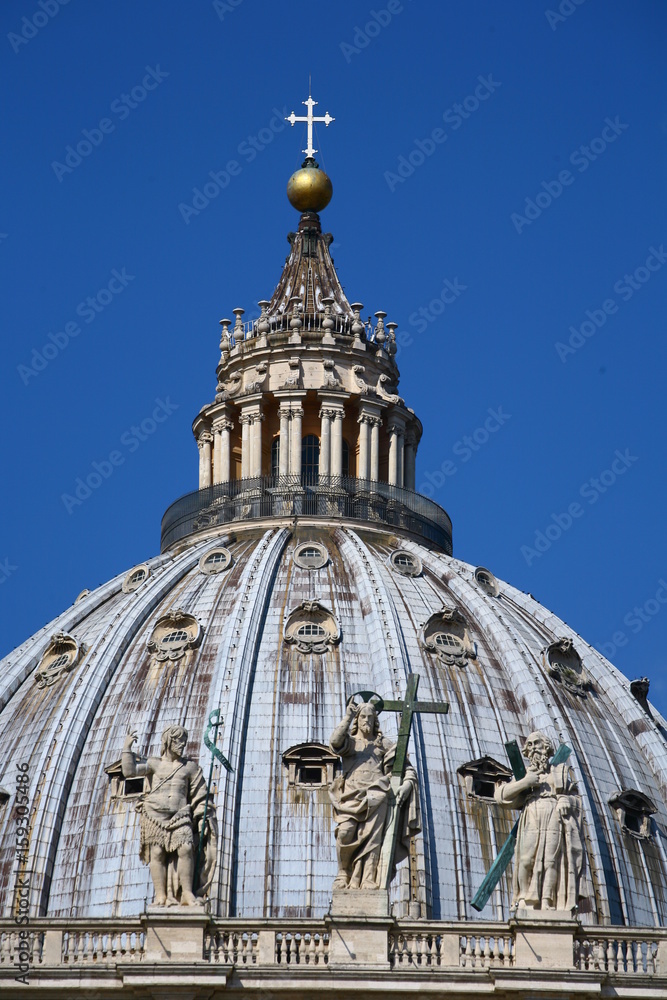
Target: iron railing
x,y
332,498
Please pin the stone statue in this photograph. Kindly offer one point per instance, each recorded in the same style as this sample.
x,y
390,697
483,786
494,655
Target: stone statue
x,y
549,857
361,798
171,812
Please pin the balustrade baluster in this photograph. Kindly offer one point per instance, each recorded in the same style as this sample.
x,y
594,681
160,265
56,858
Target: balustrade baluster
x,y
612,947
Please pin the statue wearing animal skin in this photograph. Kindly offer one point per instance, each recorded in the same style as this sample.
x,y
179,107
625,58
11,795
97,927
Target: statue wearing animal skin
x,y
171,811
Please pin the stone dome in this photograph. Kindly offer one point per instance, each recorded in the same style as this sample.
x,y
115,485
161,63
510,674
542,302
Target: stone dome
x,y
303,570
385,598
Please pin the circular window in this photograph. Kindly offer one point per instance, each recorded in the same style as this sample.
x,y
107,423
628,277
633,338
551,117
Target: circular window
x,y
135,578
405,562
447,641
311,555
175,637
486,581
60,661
215,561
309,630
84,593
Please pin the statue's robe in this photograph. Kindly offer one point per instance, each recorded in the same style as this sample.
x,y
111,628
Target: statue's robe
x,y
549,857
362,794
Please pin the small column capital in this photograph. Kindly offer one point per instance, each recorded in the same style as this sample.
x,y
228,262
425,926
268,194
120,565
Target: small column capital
x,y
224,424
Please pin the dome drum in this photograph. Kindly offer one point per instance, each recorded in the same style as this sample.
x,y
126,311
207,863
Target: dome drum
x,y
282,498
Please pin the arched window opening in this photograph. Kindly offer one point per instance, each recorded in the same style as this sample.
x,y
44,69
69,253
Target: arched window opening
x,y
275,456
310,458
346,459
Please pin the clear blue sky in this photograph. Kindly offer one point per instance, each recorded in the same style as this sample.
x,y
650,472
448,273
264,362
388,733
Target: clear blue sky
x,y
561,118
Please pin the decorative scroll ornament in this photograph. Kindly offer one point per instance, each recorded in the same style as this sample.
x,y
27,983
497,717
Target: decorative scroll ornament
x,y
446,634
61,655
231,387
563,663
391,397
261,373
293,380
362,385
312,628
331,380
174,636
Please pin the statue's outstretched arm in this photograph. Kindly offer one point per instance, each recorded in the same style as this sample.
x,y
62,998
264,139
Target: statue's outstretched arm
x,y
340,733
129,765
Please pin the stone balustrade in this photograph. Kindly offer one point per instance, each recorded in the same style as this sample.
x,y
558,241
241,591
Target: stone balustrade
x,y
151,947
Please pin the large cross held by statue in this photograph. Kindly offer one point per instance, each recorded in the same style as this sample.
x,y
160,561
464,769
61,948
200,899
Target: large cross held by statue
x,y
407,708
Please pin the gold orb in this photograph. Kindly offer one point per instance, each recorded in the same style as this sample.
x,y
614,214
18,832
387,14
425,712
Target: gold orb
x,y
309,189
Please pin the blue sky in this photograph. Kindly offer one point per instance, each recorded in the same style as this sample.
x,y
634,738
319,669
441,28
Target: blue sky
x,y
499,190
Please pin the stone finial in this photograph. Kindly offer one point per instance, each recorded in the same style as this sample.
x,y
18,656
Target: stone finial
x,y
380,335
391,339
328,322
295,310
225,339
357,322
263,324
238,325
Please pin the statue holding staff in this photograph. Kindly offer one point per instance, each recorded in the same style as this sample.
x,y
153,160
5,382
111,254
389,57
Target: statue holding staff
x,y
171,811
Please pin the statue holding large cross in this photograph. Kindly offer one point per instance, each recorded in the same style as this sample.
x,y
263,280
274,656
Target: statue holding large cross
x,y
547,838
376,799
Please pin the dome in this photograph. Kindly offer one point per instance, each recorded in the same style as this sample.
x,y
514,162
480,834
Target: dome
x,y
389,599
305,571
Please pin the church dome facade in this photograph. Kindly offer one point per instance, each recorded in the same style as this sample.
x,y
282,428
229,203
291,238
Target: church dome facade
x,y
303,572
396,606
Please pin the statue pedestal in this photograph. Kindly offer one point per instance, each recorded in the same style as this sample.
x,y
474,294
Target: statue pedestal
x,y
360,903
358,929
544,938
175,933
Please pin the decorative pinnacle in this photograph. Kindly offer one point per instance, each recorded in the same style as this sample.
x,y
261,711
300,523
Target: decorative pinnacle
x,y
310,118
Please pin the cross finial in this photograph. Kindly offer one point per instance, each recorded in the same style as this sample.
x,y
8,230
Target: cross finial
x,y
310,118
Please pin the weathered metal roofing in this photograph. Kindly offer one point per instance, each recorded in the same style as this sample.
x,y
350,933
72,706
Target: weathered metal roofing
x,y
276,852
